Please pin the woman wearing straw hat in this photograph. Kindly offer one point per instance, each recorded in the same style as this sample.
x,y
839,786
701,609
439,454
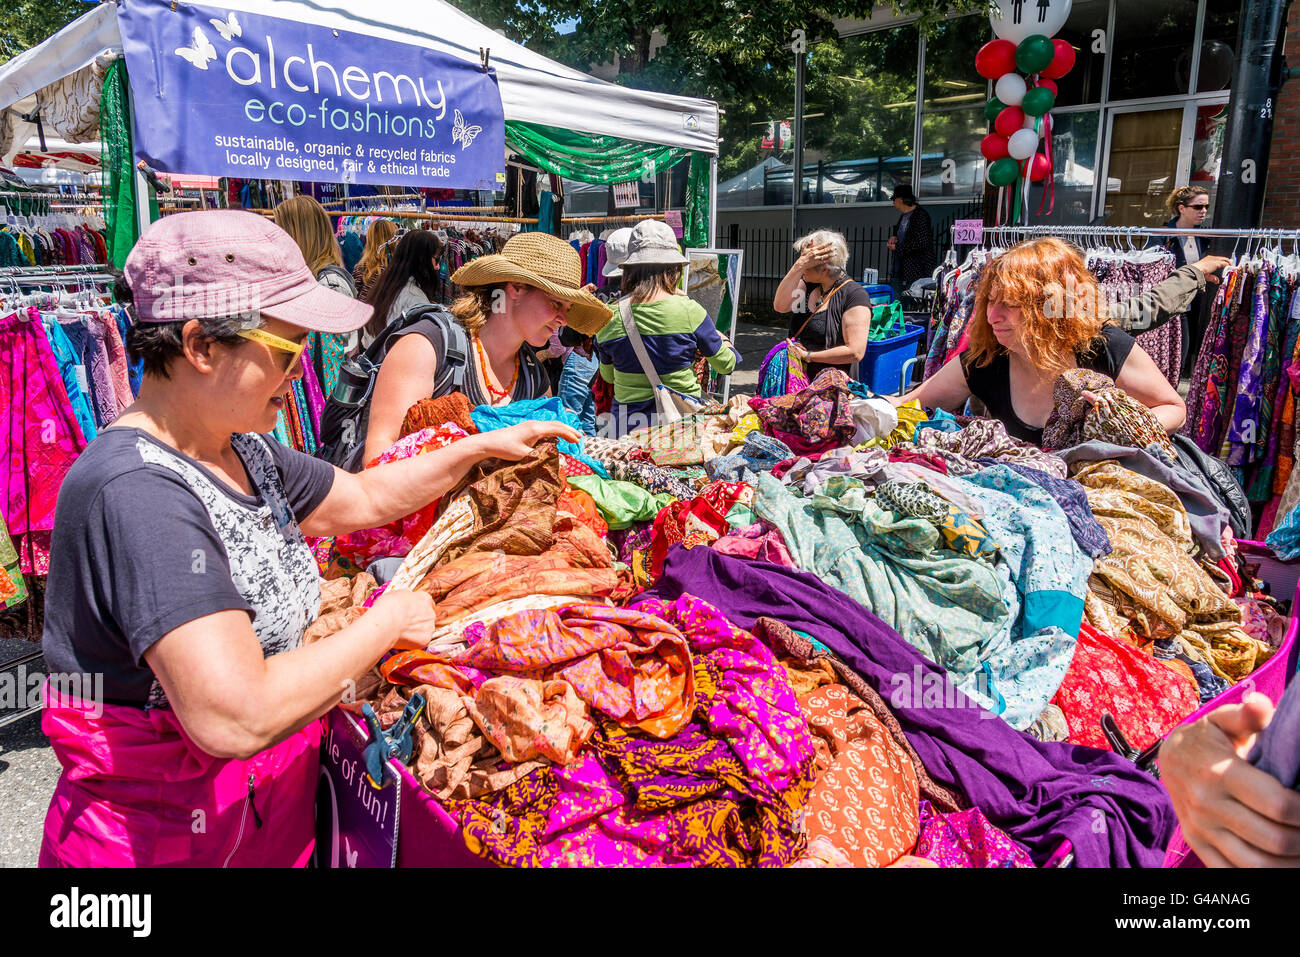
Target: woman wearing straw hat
x,y
180,578
671,327
512,302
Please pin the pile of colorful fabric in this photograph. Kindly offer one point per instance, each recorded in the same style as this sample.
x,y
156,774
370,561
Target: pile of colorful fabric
x,y
815,631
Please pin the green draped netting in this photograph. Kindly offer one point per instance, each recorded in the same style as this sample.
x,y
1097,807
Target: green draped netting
x,y
603,160
117,164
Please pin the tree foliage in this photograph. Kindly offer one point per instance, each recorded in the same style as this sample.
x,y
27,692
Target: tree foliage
x,y
25,23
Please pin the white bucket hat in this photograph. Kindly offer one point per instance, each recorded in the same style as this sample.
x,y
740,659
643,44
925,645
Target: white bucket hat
x,y
616,251
653,244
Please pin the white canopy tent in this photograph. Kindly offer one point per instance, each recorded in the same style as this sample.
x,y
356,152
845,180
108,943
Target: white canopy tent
x,y
534,89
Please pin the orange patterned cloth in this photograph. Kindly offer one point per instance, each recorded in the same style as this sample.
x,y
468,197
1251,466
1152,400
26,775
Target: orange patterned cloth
x,y
866,801
632,666
453,407
526,718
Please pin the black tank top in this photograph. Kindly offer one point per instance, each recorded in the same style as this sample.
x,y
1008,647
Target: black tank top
x,y
991,384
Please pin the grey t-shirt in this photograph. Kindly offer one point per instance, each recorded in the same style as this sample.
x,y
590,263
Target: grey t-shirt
x,y
129,539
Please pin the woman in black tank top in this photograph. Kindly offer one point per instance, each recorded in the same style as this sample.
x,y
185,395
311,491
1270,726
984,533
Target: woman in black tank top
x,y
1038,313
512,303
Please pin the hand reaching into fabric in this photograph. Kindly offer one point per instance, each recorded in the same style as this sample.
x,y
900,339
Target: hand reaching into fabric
x,y
517,441
412,616
1232,814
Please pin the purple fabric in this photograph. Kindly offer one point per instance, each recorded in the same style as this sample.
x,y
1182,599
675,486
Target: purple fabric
x,y
315,398
966,839
1245,427
1041,794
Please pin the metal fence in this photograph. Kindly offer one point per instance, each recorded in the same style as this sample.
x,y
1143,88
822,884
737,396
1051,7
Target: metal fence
x,y
769,253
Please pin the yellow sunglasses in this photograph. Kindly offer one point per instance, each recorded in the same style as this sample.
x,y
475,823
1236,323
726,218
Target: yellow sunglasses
x,y
295,349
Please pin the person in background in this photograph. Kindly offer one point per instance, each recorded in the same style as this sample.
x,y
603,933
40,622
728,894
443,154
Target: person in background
x,y
1189,206
672,327
912,242
375,256
306,221
556,352
1019,344
830,314
180,576
410,279
511,303
579,372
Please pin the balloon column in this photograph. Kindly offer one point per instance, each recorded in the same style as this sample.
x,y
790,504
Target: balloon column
x,y
1023,62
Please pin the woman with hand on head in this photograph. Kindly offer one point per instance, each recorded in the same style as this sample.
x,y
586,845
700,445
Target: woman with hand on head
x,y
830,314
179,573
513,301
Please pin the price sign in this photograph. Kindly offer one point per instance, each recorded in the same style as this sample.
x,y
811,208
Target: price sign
x,y
967,232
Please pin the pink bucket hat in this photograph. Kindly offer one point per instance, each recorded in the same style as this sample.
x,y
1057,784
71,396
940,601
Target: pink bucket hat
x,y
217,263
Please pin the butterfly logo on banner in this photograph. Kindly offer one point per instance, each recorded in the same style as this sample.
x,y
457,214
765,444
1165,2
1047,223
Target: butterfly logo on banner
x,y
201,52
463,133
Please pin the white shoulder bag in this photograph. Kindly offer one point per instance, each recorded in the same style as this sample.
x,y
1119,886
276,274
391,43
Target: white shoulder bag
x,y
670,404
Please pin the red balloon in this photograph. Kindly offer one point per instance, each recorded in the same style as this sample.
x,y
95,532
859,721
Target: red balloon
x,y
1049,85
1010,120
995,58
1038,167
1062,63
994,147
1211,111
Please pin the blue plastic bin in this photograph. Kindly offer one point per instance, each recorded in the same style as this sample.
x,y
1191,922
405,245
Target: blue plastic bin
x,y
879,294
882,364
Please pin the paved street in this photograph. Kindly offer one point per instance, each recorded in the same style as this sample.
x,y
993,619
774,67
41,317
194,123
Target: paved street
x,y
28,772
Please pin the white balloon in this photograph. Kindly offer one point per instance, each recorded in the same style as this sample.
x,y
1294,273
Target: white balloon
x,y
1017,19
1010,89
1022,144
1043,127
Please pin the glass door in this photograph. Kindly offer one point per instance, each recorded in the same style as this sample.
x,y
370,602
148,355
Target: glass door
x,y
1147,155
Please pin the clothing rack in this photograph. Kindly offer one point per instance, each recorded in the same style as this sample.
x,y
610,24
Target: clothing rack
x,y
373,199
430,215
578,220
1136,232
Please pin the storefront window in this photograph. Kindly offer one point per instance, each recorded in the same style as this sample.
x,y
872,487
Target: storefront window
x,y
860,117
1086,32
951,164
950,78
1207,149
1219,45
1074,149
1153,48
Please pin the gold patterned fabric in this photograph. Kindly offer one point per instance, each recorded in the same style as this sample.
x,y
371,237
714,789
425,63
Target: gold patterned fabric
x,y
1150,585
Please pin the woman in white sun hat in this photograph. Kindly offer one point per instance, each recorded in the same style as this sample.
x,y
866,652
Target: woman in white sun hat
x,y
672,327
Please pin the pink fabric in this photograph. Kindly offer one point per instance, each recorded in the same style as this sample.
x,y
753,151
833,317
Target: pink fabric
x,y
761,541
966,839
399,537
120,381
39,432
137,792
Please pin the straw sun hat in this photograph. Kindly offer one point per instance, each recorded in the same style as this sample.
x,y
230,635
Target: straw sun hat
x,y
544,261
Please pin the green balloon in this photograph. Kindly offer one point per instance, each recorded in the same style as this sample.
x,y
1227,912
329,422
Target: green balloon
x,y
1004,172
992,108
1038,101
1035,54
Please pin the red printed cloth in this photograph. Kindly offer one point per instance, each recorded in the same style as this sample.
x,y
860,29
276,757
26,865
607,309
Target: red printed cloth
x,y
1145,697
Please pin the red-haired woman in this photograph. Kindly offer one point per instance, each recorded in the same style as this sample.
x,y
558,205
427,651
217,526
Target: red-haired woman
x,y
1039,312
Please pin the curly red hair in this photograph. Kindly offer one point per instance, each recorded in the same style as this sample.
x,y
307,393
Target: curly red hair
x,y
1062,308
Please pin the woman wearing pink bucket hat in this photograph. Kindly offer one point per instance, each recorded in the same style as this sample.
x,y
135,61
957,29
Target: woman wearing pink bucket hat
x,y
180,583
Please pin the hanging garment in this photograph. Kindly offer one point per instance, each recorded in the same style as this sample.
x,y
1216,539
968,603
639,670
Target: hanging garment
x,y
41,433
